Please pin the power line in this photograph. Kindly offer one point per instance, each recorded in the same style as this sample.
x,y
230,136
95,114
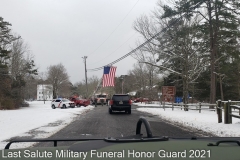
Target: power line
x,y
114,50
156,35
113,30
121,58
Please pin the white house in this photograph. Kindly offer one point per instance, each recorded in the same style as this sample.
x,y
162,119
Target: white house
x,y
132,93
44,92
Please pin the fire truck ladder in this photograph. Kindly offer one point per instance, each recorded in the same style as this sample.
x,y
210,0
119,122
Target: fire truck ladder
x,y
97,88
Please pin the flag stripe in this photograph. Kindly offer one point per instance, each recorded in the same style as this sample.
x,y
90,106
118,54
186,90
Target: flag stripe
x,y
109,76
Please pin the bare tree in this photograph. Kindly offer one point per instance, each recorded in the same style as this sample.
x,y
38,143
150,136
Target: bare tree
x,y
22,68
21,62
58,77
18,50
140,77
80,87
92,83
65,89
143,78
177,50
30,89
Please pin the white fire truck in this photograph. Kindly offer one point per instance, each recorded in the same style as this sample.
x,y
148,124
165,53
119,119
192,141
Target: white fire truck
x,y
100,98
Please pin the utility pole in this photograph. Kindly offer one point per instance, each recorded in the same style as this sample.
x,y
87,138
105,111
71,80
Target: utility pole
x,y
122,77
84,59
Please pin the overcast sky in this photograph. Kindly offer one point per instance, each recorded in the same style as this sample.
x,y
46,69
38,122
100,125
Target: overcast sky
x,y
64,31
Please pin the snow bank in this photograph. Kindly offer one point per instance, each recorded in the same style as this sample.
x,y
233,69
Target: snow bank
x,y
206,120
38,118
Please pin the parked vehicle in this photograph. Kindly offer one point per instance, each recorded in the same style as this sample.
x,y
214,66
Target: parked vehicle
x,y
141,100
120,102
62,103
80,102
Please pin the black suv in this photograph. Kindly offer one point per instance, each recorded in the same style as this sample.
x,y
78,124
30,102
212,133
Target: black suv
x,y
120,102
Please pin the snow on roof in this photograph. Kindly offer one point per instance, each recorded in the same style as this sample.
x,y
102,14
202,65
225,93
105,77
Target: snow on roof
x,y
132,93
44,86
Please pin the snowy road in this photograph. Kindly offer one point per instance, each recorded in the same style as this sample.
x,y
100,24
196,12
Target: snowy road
x,y
41,121
100,124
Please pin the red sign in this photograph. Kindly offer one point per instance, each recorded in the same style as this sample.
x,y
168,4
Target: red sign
x,y
168,90
168,93
168,98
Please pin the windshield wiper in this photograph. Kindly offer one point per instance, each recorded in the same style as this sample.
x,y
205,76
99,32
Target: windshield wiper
x,y
224,141
49,140
140,139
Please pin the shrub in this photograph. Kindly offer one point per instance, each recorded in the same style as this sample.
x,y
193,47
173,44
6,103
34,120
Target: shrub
x,y
7,103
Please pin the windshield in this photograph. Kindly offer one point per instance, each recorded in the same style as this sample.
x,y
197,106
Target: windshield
x,y
176,63
101,96
120,98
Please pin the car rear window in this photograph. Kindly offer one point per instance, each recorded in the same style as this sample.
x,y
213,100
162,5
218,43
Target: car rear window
x,y
120,98
101,96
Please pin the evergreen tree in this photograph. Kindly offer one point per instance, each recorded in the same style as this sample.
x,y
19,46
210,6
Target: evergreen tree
x,y
12,80
5,80
219,30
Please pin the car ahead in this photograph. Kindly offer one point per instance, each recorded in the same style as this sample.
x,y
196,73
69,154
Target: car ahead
x,y
120,102
62,103
139,146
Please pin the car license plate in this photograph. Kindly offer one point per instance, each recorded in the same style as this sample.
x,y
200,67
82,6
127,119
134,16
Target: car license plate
x,y
120,102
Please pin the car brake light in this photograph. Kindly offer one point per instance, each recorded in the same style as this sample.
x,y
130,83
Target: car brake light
x,y
111,102
130,102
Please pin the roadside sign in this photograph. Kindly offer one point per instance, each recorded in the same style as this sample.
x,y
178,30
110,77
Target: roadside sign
x,y
168,93
168,98
168,90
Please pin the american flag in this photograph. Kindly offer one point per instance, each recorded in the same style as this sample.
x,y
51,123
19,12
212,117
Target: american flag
x,y
108,76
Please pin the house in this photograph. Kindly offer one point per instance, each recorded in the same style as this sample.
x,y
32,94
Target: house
x,y
44,92
133,94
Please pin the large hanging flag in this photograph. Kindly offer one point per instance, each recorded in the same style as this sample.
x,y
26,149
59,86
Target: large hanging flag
x,y
108,76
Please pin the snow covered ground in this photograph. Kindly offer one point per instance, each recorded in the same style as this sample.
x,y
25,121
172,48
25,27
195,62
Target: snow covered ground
x,y
205,121
40,120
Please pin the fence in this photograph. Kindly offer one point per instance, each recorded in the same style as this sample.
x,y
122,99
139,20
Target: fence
x,y
186,107
228,108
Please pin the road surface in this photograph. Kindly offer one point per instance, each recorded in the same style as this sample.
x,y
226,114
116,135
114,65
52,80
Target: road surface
x,y
98,123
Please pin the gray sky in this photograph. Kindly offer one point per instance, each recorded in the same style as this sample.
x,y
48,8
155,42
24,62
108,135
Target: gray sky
x,y
63,31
